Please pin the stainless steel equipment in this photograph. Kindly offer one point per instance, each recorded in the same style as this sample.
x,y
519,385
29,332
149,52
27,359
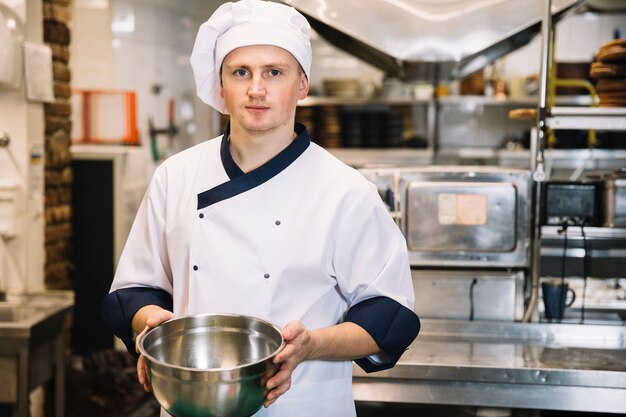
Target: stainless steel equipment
x,y
571,203
467,232
465,295
460,216
511,365
32,351
421,39
211,365
614,199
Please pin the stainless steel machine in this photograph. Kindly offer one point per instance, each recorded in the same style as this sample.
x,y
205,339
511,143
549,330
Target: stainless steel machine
x,y
467,232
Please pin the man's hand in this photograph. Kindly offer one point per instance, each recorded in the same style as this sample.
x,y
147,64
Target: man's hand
x,y
345,341
299,347
152,318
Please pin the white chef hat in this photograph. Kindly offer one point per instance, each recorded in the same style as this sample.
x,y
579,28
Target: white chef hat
x,y
246,23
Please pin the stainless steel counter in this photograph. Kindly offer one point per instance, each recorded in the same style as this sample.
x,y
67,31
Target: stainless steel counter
x,y
32,349
513,365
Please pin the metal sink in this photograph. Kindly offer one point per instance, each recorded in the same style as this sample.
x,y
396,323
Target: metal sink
x,y
32,348
19,313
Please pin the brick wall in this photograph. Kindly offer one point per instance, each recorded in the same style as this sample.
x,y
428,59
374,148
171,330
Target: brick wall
x,y
58,124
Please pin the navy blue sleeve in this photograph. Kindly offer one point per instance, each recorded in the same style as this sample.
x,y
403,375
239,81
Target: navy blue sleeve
x,y
392,326
119,307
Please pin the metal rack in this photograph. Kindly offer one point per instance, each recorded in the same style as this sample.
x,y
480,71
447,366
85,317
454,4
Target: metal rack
x,y
444,100
587,118
556,118
356,101
605,247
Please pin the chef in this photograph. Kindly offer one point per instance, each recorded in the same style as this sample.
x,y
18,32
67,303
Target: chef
x,y
260,221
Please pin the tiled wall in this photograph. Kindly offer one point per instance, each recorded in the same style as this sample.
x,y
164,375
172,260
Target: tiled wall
x,y
144,46
21,265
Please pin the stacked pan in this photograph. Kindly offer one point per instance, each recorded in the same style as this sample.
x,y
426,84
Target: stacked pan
x,y
371,127
610,71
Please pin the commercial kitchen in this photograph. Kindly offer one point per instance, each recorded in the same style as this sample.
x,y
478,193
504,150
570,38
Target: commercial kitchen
x,y
493,130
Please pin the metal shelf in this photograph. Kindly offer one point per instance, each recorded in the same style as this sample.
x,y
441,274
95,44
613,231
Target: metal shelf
x,y
311,101
446,100
362,157
603,118
606,252
567,154
574,232
514,101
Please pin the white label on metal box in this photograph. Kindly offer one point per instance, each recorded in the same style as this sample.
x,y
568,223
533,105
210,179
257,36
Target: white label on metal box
x,y
471,209
462,209
446,208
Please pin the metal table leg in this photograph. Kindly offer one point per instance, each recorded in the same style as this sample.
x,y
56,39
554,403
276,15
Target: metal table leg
x,y
22,383
59,379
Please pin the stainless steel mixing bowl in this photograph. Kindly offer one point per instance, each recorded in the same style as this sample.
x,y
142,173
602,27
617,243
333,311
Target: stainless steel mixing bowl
x,y
211,365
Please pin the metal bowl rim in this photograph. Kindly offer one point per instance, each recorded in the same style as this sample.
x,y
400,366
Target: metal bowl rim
x,y
149,357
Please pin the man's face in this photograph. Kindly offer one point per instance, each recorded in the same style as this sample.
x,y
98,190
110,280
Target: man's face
x,y
261,86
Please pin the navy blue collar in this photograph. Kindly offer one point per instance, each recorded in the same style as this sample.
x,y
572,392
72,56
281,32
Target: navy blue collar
x,y
240,181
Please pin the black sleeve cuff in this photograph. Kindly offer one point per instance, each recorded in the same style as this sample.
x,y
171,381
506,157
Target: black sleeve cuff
x,y
119,307
392,326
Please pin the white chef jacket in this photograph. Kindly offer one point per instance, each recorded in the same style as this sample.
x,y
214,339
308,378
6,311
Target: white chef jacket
x,y
304,237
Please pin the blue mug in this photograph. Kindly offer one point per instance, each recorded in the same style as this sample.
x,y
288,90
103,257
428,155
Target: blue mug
x,y
555,298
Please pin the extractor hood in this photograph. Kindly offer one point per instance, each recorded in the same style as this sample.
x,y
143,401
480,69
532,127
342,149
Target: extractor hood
x,y
427,39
